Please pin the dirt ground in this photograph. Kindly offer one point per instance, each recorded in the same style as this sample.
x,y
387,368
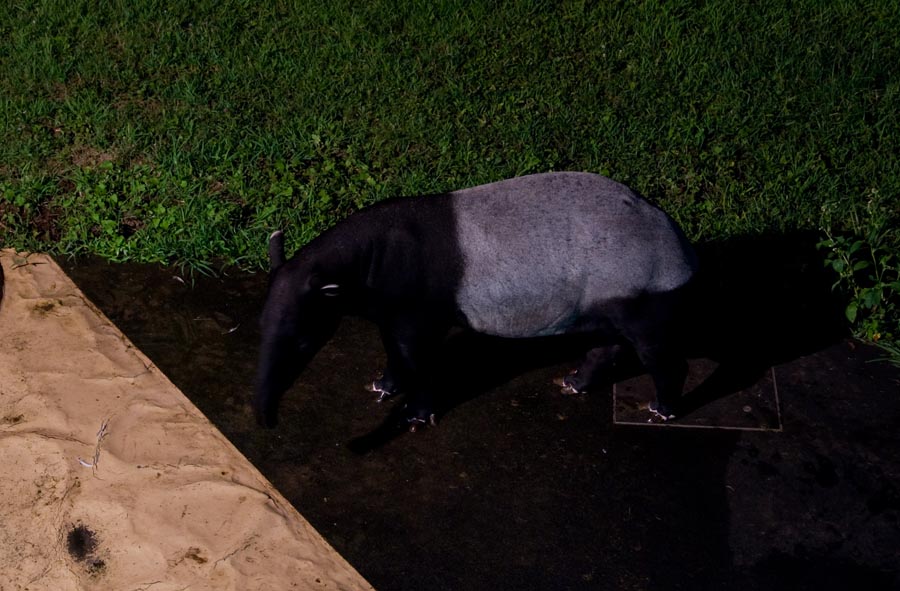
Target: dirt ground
x,y
521,487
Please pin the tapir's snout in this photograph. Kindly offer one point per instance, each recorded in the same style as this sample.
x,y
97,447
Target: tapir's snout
x,y
279,366
267,399
266,414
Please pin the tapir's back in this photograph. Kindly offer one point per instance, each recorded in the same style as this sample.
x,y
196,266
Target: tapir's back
x,y
541,251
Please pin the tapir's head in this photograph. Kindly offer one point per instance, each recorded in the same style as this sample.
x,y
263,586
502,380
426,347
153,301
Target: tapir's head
x,y
301,313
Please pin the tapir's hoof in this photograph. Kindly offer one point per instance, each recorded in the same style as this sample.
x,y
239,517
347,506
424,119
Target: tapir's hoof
x,y
418,418
661,411
566,385
381,388
415,423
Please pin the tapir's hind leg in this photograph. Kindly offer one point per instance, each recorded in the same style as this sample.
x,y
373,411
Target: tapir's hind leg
x,y
651,330
668,371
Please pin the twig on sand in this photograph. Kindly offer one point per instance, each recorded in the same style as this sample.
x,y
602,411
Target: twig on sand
x,y
101,435
22,261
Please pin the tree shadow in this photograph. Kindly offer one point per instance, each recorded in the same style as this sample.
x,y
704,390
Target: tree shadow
x,y
758,301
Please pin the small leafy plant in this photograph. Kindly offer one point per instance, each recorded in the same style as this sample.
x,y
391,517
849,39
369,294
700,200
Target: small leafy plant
x,y
865,258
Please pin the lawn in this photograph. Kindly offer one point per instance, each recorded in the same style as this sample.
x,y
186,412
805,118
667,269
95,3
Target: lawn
x,y
186,131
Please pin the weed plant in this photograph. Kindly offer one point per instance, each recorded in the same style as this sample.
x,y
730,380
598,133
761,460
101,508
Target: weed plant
x,y
187,131
866,261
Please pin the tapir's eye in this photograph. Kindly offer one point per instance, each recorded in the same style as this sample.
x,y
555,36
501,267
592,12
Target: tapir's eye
x,y
331,290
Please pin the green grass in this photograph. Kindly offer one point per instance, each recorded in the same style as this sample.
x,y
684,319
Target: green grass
x,y
186,131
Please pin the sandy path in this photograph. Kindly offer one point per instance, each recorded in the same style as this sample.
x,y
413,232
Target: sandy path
x,y
113,479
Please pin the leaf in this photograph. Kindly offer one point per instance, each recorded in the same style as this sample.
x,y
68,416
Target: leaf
x,y
859,266
850,312
871,297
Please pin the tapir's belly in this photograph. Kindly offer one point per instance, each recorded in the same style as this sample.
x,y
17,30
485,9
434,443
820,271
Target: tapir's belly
x,y
529,292
533,299
519,315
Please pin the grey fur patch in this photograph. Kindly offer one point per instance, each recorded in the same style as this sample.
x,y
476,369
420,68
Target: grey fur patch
x,y
542,251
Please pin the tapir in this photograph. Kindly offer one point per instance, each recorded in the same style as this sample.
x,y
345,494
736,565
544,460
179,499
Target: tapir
x,y
532,256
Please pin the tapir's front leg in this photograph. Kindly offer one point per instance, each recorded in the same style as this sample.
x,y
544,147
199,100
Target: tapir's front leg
x,y
385,386
410,347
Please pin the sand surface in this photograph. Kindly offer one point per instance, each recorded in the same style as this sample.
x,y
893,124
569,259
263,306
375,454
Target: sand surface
x,y
113,479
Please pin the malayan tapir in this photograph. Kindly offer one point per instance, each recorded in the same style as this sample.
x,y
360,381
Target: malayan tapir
x,y
538,255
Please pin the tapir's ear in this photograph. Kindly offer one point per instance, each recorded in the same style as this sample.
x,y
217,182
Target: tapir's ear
x,y
276,249
331,290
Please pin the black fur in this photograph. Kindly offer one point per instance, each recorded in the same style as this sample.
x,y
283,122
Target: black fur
x,y
395,263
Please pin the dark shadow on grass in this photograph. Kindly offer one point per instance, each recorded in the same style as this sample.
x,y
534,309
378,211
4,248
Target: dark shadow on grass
x,y
757,302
